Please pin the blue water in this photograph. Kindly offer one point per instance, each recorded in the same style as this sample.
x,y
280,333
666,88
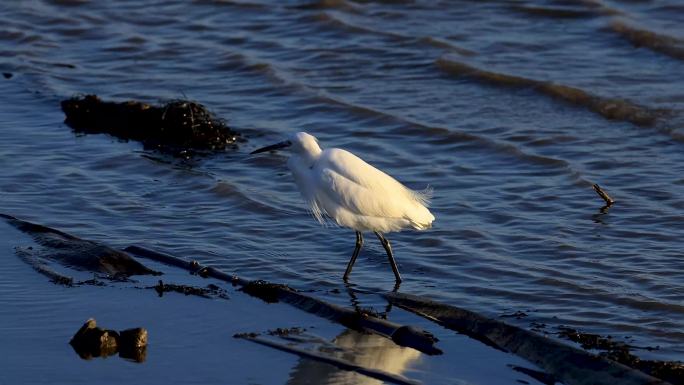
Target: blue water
x,y
518,225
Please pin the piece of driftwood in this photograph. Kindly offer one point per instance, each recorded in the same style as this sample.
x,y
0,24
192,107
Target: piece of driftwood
x,y
404,335
604,195
338,362
91,341
569,365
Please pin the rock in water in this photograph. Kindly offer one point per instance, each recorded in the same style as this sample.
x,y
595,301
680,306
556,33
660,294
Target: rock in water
x,y
91,341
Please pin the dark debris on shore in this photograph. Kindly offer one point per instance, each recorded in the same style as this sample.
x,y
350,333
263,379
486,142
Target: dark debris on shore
x,y
670,371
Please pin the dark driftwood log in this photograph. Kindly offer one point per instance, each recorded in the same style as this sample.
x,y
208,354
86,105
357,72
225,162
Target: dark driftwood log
x,y
403,335
340,363
569,365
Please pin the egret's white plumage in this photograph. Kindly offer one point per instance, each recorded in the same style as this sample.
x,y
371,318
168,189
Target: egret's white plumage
x,y
353,193
339,185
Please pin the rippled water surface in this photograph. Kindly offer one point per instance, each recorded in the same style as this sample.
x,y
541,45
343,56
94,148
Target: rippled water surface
x,y
518,226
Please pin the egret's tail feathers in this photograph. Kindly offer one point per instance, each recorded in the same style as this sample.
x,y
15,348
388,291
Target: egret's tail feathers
x,y
422,219
421,226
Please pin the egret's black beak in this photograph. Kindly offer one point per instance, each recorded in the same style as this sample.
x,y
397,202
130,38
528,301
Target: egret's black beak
x,y
272,147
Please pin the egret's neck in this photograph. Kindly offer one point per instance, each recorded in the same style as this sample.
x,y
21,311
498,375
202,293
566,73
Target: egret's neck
x,y
301,164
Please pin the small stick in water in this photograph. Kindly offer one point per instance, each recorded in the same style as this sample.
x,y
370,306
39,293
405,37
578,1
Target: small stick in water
x,y
604,195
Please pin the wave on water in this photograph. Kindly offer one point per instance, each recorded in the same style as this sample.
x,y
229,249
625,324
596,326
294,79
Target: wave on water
x,y
226,190
609,108
238,4
340,5
568,9
664,44
336,22
563,12
403,125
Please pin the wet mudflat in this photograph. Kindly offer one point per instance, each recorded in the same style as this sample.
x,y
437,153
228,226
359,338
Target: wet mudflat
x,y
511,110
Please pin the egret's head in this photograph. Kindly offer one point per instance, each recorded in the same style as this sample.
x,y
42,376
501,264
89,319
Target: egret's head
x,y
301,142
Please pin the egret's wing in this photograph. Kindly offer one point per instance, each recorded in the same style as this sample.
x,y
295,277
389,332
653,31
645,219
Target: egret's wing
x,y
361,188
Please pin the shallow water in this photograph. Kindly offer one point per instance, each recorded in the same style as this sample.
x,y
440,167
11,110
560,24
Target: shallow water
x,y
518,225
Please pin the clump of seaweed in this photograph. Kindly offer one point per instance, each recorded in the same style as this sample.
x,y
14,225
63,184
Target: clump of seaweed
x,y
285,332
178,127
206,292
266,291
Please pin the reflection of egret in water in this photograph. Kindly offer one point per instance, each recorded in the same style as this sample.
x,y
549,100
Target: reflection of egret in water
x,y
368,350
356,303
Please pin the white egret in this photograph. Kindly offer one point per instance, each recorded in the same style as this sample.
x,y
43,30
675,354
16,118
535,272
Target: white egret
x,y
339,185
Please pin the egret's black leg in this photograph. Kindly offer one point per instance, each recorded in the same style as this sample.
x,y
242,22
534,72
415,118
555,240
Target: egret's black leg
x,y
388,249
359,243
